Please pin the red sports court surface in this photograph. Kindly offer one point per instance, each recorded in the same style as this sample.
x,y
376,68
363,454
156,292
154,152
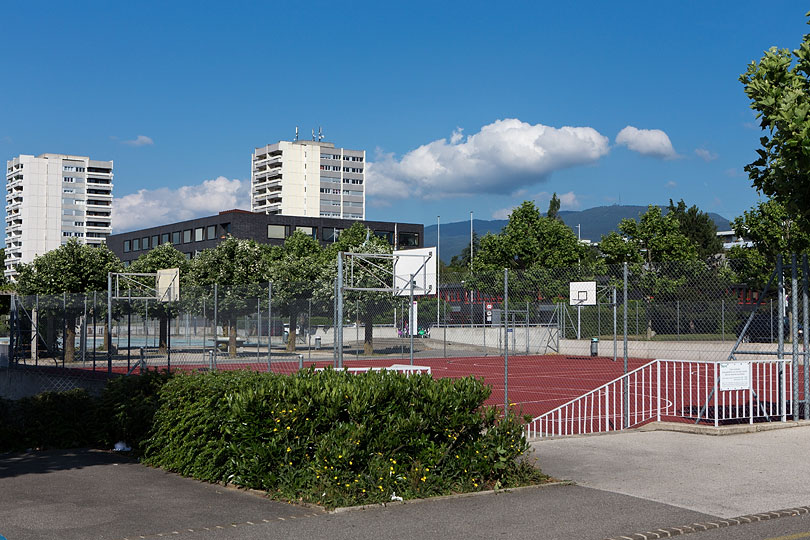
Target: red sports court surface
x,y
537,384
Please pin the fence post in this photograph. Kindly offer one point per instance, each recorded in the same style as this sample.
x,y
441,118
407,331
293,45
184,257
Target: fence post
x,y
216,332
658,387
805,338
527,328
109,323
142,361
484,324
339,308
411,328
64,327
309,331
94,330
615,332
794,333
780,332
626,383
269,323
716,395
506,341
83,334
722,319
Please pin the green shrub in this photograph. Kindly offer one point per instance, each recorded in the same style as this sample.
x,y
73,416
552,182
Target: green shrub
x,y
334,438
127,407
49,420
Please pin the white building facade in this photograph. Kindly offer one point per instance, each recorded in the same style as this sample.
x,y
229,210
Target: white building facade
x,y
308,178
52,198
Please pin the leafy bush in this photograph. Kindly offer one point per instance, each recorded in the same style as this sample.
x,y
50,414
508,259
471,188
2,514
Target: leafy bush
x,y
334,438
48,420
127,407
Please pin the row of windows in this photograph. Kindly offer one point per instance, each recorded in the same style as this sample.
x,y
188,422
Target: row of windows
x,y
177,237
72,168
75,234
71,179
345,169
345,158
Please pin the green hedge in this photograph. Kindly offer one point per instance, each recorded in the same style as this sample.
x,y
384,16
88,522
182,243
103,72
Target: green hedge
x,y
335,438
75,418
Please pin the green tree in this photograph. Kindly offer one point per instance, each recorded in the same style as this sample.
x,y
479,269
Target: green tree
x,y
698,227
370,305
461,262
162,257
654,238
240,269
771,230
660,257
73,268
530,240
296,270
778,87
554,207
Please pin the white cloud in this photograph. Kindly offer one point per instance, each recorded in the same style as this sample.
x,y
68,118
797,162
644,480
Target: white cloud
x,y
648,142
503,213
140,140
501,158
151,207
568,201
671,184
734,172
705,155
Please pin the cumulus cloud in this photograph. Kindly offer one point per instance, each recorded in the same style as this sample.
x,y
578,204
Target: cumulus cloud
x,y
501,158
705,155
151,207
648,142
140,140
672,183
503,213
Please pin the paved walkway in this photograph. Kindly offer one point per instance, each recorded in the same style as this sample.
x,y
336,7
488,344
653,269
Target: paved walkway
x,y
628,482
725,476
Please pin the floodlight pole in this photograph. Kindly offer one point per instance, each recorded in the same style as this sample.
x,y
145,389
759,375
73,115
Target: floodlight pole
x,y
438,268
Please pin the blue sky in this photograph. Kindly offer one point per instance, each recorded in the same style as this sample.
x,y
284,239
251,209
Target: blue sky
x,y
461,106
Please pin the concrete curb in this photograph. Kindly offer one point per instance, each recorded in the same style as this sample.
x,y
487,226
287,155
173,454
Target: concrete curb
x,y
669,532
343,509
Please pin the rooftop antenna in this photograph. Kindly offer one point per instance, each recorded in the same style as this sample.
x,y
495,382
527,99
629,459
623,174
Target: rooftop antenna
x,y
296,133
320,134
313,134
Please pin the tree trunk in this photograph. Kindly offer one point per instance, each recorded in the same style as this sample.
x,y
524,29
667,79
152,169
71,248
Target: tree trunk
x,y
50,335
368,332
293,331
232,340
70,339
163,334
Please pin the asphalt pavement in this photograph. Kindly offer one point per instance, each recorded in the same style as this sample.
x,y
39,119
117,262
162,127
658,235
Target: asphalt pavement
x,y
627,483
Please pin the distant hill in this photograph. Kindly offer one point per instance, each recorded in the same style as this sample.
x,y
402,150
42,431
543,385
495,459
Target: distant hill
x,y
593,222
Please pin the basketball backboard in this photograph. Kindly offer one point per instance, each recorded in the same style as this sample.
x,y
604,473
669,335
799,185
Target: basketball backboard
x,y
168,285
582,293
422,264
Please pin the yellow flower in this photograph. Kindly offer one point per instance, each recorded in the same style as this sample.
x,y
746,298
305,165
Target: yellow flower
x,y
288,449
424,478
364,491
380,488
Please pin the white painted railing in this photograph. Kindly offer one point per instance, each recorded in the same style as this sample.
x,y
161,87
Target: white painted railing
x,y
673,390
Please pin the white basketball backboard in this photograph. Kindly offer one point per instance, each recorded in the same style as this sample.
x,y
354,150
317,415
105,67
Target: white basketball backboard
x,y
168,285
582,293
422,264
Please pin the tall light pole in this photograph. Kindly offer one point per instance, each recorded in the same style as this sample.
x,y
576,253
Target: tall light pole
x,y
438,267
471,238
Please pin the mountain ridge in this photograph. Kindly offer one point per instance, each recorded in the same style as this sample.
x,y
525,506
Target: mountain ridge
x,y
593,222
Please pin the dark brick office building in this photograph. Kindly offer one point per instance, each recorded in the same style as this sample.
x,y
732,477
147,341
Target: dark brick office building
x,y
198,234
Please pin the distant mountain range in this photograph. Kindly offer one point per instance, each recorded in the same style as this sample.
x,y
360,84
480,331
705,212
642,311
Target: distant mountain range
x,y
593,222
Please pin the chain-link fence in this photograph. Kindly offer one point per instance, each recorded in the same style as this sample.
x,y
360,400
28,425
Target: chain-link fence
x,y
519,330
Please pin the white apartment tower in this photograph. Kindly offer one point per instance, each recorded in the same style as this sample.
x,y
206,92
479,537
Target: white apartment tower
x,y
308,178
52,198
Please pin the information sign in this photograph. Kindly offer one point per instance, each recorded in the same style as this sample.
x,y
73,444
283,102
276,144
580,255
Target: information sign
x,y
735,376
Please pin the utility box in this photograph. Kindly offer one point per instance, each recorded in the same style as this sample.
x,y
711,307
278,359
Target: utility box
x,y
318,343
595,346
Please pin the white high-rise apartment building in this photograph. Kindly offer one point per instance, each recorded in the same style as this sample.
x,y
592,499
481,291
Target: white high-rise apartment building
x,y
308,178
52,198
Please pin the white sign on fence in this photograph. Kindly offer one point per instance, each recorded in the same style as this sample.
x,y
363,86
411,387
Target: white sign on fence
x,y
735,376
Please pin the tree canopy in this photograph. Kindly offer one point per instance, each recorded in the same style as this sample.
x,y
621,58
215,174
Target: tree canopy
x,y
778,87
698,227
654,238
